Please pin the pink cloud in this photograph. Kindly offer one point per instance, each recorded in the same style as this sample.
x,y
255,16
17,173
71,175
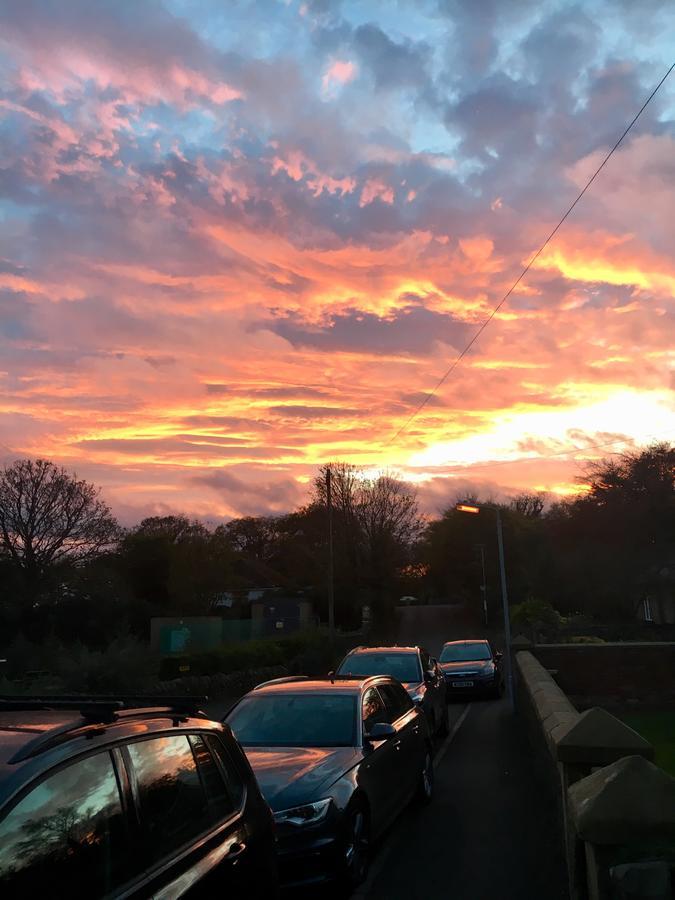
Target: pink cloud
x,y
375,189
338,73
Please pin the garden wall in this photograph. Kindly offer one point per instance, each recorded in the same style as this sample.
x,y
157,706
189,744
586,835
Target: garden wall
x,y
612,674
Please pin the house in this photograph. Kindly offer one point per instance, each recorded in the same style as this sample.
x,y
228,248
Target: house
x,y
657,603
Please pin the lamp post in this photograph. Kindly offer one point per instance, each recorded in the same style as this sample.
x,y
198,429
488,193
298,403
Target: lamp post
x,y
331,582
483,586
475,510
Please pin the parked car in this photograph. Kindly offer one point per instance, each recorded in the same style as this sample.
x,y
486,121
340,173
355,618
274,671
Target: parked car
x,y
414,668
471,667
109,798
337,761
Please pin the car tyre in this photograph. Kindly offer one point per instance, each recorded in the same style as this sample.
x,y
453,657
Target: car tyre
x,y
425,788
354,858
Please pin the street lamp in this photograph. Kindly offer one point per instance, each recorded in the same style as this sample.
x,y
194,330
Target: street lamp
x,y
475,510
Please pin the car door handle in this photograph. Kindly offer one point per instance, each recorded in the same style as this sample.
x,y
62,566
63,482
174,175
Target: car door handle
x,y
235,851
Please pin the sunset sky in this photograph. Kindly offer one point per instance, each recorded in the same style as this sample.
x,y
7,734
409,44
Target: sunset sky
x,y
240,239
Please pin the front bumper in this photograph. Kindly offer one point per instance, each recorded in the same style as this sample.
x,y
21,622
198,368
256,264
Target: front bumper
x,y
474,684
309,855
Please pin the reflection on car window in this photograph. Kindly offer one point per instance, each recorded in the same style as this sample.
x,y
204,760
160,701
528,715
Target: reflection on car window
x,y
173,803
404,666
465,652
235,783
373,710
396,699
294,720
221,804
68,830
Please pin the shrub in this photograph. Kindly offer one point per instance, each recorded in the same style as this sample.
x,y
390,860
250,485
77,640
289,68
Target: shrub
x,y
534,612
236,658
125,665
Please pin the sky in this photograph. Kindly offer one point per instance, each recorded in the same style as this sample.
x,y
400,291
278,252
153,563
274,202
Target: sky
x,y
242,239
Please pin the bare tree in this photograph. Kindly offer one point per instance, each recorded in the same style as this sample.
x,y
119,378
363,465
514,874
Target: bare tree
x,y
388,507
48,516
529,505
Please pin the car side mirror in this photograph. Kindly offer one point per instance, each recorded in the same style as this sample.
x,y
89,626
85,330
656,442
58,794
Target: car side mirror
x,y
381,731
331,674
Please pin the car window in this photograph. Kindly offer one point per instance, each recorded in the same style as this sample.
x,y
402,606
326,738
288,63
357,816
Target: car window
x,y
233,778
173,803
404,666
68,830
221,803
373,709
294,720
466,652
396,700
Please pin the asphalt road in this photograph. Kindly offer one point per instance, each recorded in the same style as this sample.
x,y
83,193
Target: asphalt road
x,y
491,832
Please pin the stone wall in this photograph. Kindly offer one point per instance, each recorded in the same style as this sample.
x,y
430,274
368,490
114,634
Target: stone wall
x,y
615,804
612,674
216,686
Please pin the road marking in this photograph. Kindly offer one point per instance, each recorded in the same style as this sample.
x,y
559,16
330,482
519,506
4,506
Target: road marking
x,y
446,743
363,889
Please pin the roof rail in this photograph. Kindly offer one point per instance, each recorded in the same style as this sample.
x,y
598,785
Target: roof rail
x,y
288,679
91,705
95,712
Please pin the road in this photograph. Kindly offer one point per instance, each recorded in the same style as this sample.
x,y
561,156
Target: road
x,y
491,831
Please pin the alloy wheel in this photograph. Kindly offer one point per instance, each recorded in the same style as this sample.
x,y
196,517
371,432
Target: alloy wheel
x,y
356,847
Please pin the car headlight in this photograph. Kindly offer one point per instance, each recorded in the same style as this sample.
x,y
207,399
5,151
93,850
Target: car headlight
x,y
307,814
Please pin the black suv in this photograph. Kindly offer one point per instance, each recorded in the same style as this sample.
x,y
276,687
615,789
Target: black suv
x,y
414,668
337,761
107,798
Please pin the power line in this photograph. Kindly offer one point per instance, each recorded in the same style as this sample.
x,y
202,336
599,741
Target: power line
x,y
527,268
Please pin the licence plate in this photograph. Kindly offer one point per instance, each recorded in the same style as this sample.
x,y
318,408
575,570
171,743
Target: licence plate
x,y
461,684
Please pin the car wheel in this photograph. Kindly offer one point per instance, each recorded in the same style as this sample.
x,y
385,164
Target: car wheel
x,y
425,790
444,726
355,851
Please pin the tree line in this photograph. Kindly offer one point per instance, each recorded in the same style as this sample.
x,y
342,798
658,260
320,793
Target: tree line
x,y
69,570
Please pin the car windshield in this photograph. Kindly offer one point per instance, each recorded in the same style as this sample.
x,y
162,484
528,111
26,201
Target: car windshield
x,y
465,652
404,666
295,720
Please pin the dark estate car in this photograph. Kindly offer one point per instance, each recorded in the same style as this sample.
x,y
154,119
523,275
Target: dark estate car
x,y
99,799
337,761
414,668
471,667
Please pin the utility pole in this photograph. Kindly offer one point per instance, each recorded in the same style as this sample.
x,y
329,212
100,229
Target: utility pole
x,y
505,605
331,588
483,587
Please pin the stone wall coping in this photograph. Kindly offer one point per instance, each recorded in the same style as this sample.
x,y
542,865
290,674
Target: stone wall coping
x,y
551,705
597,738
624,802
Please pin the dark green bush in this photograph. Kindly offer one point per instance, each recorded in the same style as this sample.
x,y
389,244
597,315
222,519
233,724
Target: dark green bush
x,y
125,665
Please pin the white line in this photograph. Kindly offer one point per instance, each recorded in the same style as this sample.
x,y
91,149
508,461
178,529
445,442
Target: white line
x,y
446,743
382,857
